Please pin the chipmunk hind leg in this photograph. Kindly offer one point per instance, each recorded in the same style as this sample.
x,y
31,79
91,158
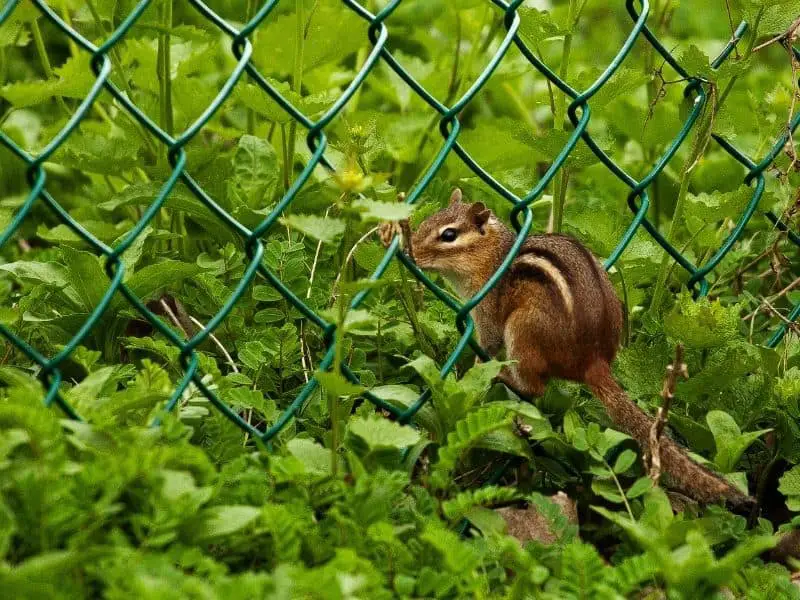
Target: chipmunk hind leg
x,y
529,374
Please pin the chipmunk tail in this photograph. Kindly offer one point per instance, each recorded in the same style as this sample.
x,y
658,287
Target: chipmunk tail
x,y
687,476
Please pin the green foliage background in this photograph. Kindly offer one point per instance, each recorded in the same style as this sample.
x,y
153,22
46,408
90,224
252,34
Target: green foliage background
x,y
346,503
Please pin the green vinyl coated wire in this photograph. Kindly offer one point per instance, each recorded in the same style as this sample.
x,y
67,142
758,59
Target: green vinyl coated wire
x,y
578,111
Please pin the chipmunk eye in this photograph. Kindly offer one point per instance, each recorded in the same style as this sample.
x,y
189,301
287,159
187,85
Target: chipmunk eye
x,y
449,235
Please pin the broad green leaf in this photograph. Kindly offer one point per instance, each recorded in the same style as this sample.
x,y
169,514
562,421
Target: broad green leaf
x,y
607,489
219,521
488,521
378,432
718,205
402,397
255,98
624,461
372,210
315,458
150,280
326,230
255,169
324,26
731,442
640,487
39,272
86,276
336,385
536,26
702,323
696,63
426,367
72,80
144,194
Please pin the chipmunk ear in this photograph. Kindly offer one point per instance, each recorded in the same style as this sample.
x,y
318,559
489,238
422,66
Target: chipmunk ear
x,y
455,196
479,214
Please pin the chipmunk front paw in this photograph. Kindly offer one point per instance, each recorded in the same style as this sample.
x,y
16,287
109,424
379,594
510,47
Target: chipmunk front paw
x,y
387,230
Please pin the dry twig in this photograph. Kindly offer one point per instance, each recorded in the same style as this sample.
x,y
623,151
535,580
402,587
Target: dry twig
x,y
676,369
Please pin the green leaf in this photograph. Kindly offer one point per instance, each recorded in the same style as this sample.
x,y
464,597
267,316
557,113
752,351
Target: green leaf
x,y
324,26
702,323
624,461
255,170
43,272
326,230
491,495
477,381
640,487
336,385
143,194
717,205
219,521
488,521
731,442
402,397
789,484
8,528
696,63
373,210
378,432
606,489
71,80
86,276
253,97
315,458
150,280
536,26
468,432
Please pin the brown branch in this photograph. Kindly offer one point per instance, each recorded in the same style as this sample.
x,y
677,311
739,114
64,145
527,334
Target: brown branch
x,y
676,369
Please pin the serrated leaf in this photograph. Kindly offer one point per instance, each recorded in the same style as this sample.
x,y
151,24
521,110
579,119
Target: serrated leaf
x,y
315,458
373,210
491,495
326,230
718,205
378,432
696,62
702,323
72,80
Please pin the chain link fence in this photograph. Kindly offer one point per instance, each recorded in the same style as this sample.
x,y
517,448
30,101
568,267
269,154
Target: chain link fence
x,y
579,112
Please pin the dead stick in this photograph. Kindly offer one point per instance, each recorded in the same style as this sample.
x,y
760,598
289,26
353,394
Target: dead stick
x,y
677,369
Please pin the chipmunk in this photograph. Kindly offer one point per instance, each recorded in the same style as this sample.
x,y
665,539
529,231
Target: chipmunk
x,y
556,314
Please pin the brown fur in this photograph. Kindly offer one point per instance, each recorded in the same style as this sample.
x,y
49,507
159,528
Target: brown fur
x,y
527,314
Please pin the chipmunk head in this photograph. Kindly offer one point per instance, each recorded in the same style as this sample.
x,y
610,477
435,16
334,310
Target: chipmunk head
x,y
460,241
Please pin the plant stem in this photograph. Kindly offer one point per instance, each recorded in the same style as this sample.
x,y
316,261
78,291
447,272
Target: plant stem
x,y
3,65
663,272
619,488
285,151
702,134
251,114
165,69
560,197
333,399
38,40
297,77
560,186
